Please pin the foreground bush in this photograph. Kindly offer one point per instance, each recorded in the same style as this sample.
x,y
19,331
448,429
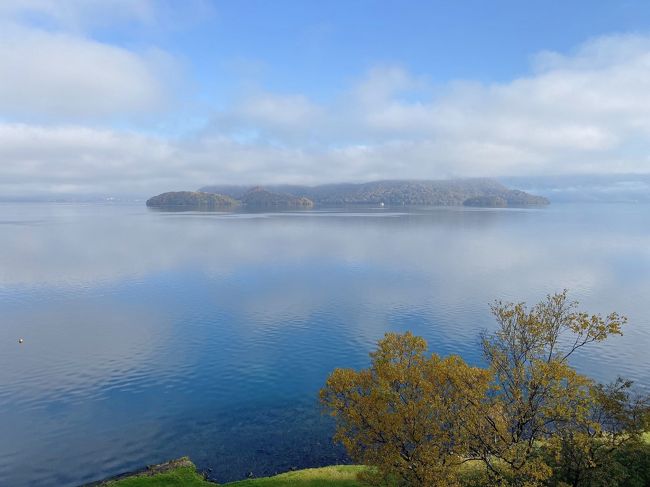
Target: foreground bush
x,y
528,417
405,414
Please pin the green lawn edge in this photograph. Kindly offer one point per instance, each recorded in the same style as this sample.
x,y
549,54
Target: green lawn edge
x,y
182,473
175,473
332,476
186,475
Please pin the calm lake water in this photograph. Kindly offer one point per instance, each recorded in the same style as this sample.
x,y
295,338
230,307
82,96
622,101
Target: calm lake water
x,y
151,335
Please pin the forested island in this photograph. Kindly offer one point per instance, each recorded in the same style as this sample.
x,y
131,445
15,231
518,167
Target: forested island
x,y
458,192
254,199
261,198
192,199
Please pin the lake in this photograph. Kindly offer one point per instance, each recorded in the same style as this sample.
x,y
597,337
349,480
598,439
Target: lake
x,y
150,335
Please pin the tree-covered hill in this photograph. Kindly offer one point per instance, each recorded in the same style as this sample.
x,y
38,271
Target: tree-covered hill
x,y
254,199
192,199
259,198
402,193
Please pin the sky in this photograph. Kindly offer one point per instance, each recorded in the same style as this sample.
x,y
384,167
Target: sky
x,y
145,96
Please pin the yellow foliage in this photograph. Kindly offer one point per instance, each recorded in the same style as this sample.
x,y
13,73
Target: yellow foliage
x,y
407,414
416,418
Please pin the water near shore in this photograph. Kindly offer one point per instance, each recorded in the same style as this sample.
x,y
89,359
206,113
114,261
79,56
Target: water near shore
x,y
151,335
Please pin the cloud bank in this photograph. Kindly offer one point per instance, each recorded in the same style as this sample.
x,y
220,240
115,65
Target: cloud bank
x,y
585,111
54,77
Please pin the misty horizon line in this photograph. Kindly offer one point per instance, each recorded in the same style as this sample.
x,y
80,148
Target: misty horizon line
x,y
544,184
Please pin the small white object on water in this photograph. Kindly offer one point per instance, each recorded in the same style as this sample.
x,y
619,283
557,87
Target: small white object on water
x,y
20,340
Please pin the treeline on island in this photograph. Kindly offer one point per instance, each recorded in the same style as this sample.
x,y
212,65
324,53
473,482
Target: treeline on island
x,y
193,199
453,192
256,198
459,192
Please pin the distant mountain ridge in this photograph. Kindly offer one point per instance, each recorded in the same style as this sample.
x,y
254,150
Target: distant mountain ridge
x,y
455,192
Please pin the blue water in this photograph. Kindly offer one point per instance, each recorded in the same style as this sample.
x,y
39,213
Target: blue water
x,y
151,335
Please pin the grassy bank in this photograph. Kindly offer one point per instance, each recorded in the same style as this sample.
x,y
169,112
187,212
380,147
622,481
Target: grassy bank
x,y
182,473
181,476
335,476
185,475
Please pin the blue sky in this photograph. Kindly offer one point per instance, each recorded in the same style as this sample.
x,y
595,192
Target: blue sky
x,y
318,47
144,95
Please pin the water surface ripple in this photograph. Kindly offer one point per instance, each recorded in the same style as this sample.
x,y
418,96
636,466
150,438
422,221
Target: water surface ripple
x,y
151,335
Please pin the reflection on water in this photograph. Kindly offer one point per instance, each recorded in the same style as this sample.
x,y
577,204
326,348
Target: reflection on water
x,y
151,335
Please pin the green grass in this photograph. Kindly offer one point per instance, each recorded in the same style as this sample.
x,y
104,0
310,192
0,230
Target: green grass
x,y
182,473
187,476
339,476
335,476
177,473
179,477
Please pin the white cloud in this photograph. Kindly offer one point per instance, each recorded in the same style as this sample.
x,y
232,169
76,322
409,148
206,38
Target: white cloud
x,y
57,63
582,112
590,101
274,113
56,76
383,83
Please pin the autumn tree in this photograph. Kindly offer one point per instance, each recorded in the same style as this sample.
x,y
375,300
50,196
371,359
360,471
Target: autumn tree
x,y
597,448
529,417
406,415
536,392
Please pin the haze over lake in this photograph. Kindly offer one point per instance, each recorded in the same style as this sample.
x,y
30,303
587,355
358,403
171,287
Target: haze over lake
x,y
150,335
